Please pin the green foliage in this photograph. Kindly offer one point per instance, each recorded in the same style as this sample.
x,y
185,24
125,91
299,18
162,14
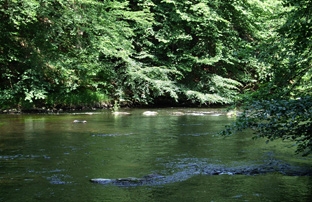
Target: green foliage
x,y
62,47
287,51
281,108
116,106
279,119
214,89
202,51
207,42
146,82
75,99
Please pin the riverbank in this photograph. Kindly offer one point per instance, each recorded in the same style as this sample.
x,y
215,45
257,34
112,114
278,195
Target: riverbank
x,y
106,105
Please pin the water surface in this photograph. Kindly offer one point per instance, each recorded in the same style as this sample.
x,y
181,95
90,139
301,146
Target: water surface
x,y
47,157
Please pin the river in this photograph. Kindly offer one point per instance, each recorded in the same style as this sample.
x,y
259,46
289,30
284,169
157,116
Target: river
x,y
47,157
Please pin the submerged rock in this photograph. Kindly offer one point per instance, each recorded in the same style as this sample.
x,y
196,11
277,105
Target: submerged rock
x,y
150,113
120,181
103,181
153,175
129,180
195,114
178,113
76,121
215,114
189,167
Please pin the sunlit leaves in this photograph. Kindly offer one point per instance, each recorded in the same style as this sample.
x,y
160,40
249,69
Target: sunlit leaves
x,y
281,108
69,45
202,51
201,38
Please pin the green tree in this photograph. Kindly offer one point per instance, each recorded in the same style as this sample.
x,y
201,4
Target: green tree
x,y
66,52
281,109
209,43
52,50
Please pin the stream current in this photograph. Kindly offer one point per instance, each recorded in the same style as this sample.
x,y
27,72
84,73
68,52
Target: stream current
x,y
47,157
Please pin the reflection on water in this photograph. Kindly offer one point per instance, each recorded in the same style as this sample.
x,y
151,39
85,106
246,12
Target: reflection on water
x,y
49,158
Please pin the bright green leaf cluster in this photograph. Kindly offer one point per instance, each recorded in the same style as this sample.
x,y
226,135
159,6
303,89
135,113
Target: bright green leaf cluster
x,y
190,51
281,107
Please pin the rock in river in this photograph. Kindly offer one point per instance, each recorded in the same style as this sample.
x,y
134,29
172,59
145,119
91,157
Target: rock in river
x,y
121,181
103,181
129,180
150,113
76,121
178,113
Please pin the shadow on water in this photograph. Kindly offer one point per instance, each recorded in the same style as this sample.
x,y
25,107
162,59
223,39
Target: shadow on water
x,y
49,158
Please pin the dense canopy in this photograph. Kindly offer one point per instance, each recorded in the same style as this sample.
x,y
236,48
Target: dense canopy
x,y
65,53
282,107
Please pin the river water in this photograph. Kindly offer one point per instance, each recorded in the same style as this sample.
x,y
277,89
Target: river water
x,y
47,157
